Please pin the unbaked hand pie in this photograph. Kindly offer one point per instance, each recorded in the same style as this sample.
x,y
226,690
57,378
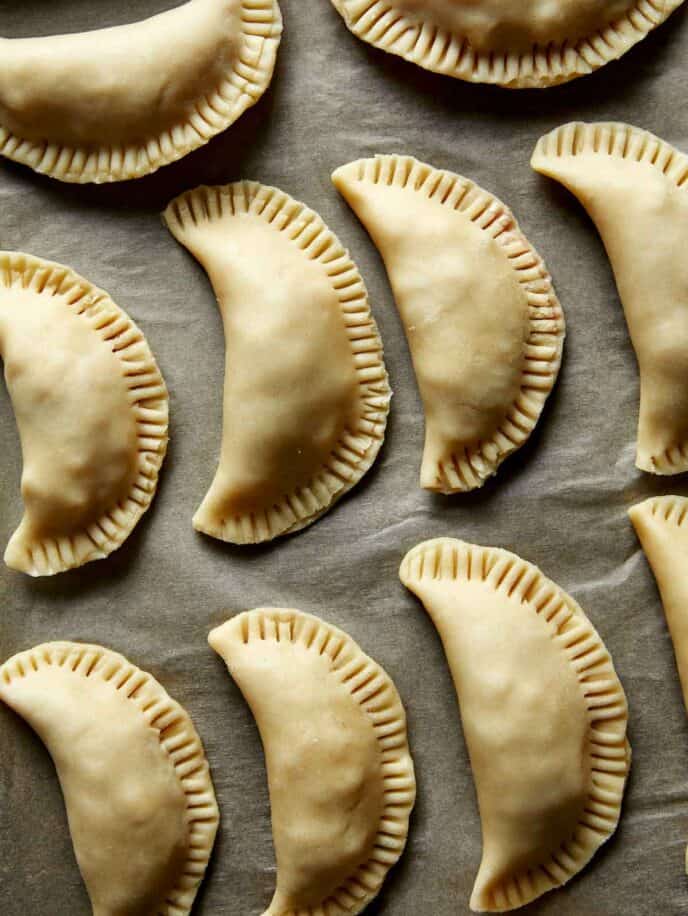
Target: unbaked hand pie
x,y
483,324
635,188
661,524
544,715
91,407
119,103
340,774
135,780
514,43
306,395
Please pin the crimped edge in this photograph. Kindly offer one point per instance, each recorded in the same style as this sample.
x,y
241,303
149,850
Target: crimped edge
x,y
148,399
213,113
450,559
371,688
439,50
177,735
614,139
669,509
358,447
543,349
633,144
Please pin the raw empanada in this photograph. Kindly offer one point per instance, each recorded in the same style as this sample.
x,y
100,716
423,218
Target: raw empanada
x,y
634,187
514,43
340,774
121,102
484,326
661,524
306,394
91,408
544,715
135,780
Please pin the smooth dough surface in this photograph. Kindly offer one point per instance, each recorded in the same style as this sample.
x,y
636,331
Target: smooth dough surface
x,y
340,774
635,188
484,326
119,103
92,414
136,784
305,393
547,741
514,43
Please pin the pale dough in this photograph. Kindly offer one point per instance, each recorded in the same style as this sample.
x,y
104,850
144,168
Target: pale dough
x,y
544,715
340,774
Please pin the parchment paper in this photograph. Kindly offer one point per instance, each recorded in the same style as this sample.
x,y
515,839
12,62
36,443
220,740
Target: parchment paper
x,y
560,502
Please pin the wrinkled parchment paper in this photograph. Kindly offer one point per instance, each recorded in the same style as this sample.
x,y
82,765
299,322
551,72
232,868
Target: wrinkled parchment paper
x,y
560,502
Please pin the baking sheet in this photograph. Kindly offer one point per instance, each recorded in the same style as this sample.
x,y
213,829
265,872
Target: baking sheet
x,y
560,502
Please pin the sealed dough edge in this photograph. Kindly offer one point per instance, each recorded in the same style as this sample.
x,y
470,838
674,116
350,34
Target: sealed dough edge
x,y
634,187
382,24
204,210
287,662
476,597
95,712
147,403
213,112
661,526
446,468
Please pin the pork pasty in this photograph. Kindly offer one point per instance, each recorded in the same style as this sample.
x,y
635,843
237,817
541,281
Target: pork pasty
x,y
119,103
544,715
136,784
340,774
514,43
484,326
635,188
91,407
305,394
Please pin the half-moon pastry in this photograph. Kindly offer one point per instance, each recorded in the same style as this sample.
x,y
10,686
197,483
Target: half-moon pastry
x,y
136,784
340,775
484,325
92,410
519,44
661,524
119,103
544,715
634,186
306,395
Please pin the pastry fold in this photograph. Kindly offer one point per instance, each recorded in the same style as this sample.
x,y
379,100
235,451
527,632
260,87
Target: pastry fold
x,y
92,411
483,323
634,186
306,394
136,783
340,774
119,103
515,44
544,715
